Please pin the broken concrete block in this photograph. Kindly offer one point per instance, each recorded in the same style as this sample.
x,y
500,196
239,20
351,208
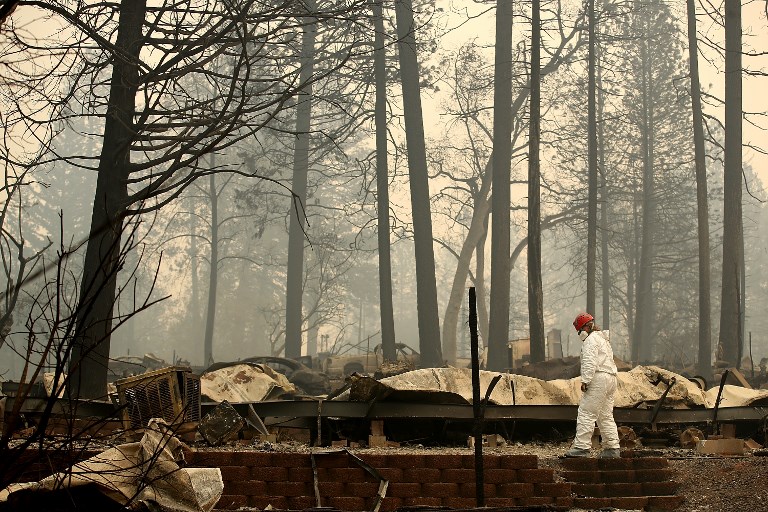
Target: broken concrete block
x,y
751,444
494,440
721,446
489,440
728,430
221,424
690,437
377,427
377,441
268,438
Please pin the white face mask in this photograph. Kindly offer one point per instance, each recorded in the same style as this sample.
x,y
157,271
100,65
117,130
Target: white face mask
x,y
583,335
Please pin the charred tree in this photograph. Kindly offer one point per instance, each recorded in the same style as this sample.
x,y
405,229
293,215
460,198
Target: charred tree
x,y
731,335
498,326
535,289
605,232
592,162
382,187
90,346
213,271
705,320
644,316
426,286
298,220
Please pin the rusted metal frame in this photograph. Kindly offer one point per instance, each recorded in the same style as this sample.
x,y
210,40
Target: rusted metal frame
x,y
284,411
255,421
399,410
383,482
514,402
337,392
488,392
660,401
730,414
315,480
394,410
717,401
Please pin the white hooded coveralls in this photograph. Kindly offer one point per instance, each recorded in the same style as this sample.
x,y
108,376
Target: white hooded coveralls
x,y
598,372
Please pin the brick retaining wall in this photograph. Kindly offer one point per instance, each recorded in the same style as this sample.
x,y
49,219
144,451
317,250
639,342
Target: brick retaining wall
x,y
285,480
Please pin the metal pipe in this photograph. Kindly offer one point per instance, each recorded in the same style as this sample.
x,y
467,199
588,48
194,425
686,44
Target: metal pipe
x,y
717,402
476,412
661,400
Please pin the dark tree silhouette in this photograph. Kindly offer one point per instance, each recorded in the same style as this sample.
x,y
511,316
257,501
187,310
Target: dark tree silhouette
x,y
498,322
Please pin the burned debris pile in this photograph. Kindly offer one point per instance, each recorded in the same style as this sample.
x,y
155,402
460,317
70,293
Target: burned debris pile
x,y
157,416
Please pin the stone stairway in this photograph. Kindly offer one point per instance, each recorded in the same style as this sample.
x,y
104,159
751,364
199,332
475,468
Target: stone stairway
x,y
638,483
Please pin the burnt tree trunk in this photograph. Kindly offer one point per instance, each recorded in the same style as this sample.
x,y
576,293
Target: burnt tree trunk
x,y
213,275
482,307
644,317
382,187
605,232
730,325
89,356
592,164
535,289
194,314
426,286
705,320
498,323
295,278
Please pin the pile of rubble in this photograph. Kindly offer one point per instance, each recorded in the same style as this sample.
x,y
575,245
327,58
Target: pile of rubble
x,y
641,384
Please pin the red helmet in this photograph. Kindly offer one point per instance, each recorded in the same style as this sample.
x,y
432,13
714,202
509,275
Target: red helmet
x,y
582,320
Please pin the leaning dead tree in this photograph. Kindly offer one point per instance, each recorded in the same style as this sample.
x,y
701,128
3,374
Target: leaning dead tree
x,y
171,83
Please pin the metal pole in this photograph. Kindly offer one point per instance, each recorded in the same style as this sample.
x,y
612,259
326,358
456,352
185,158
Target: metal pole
x,y
717,401
477,427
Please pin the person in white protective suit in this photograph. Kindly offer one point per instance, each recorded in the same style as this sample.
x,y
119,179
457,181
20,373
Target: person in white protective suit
x,y
598,386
